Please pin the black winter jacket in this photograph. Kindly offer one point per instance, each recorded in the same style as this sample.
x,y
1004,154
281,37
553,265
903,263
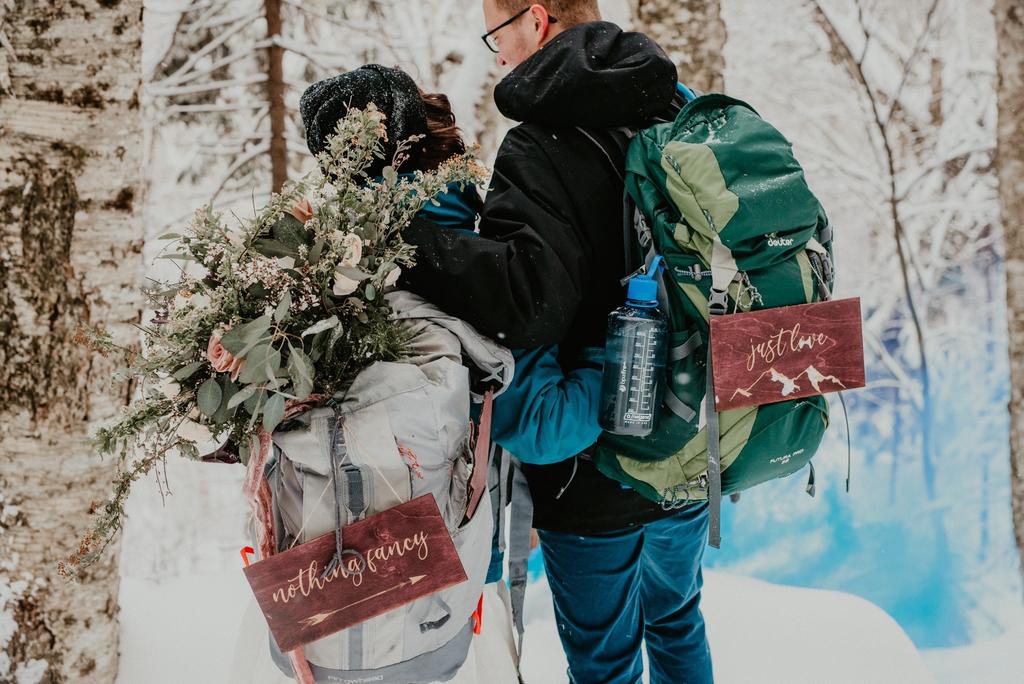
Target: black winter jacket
x,y
546,266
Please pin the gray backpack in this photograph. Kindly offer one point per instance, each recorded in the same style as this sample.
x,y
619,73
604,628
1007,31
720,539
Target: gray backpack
x,y
401,431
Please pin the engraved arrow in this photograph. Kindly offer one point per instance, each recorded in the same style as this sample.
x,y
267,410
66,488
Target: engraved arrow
x,y
314,620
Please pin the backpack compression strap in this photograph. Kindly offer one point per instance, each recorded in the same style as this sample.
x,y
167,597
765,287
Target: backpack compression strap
x,y
481,455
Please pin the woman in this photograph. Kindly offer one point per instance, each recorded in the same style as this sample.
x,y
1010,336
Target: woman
x,y
546,414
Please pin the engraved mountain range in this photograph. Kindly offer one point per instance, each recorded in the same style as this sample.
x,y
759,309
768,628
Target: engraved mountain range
x,y
788,384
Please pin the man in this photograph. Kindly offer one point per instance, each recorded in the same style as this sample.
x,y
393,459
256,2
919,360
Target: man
x,y
545,269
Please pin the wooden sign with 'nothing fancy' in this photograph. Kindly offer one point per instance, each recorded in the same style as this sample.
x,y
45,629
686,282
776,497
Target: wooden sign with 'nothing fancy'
x,y
408,554
789,352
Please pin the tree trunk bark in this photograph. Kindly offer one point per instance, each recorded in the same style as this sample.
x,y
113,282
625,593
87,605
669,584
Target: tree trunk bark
x,y
70,254
1010,165
275,95
692,33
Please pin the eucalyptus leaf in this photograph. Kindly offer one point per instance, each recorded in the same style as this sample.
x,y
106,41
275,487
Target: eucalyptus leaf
x,y
229,389
240,339
186,372
257,291
253,403
245,350
254,369
273,412
335,335
273,248
353,273
259,401
320,326
169,236
180,256
371,292
315,252
208,397
319,344
242,395
301,372
273,364
282,308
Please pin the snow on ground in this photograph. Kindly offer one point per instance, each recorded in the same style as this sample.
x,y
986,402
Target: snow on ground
x,y
187,629
996,661
188,617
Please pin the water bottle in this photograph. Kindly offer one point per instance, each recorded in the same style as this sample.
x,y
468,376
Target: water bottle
x,y
635,355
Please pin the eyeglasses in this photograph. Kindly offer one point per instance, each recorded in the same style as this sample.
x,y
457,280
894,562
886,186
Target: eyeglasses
x,y
488,37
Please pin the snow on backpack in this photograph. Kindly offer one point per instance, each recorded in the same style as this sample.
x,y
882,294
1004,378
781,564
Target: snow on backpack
x,y
401,431
719,195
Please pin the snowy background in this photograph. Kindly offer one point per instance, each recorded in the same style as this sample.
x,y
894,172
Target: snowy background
x,y
895,90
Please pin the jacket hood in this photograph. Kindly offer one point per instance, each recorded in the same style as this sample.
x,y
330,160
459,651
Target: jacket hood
x,y
593,75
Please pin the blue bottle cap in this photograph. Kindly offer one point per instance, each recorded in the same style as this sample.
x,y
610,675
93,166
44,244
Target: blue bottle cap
x,y
643,288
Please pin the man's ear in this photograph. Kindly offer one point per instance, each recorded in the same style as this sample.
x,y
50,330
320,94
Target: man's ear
x,y
541,23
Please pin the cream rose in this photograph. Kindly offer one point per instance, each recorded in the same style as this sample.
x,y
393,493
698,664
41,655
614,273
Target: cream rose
x,y
343,285
353,247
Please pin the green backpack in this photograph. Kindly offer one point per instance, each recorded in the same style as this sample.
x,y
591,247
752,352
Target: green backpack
x,y
719,195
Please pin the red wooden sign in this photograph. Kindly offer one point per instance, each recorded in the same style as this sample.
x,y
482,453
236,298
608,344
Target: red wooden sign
x,y
408,554
773,355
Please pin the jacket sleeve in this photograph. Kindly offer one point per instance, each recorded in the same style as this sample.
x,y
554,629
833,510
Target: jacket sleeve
x,y
546,415
521,279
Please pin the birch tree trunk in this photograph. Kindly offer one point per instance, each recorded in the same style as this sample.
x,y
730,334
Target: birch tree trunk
x,y
692,33
70,254
1010,164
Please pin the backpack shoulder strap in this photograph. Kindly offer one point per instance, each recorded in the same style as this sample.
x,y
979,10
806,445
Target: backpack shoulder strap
x,y
636,234
519,545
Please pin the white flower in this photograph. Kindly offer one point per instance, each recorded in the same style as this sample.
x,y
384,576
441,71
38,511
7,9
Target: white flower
x,y
343,285
353,247
392,277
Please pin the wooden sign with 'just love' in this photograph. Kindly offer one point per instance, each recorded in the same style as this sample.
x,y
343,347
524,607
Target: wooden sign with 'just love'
x,y
789,352
407,554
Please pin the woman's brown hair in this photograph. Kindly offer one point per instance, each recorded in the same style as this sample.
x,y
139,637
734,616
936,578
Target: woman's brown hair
x,y
443,139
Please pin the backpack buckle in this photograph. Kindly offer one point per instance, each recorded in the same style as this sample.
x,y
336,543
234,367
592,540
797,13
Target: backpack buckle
x,y
676,502
718,302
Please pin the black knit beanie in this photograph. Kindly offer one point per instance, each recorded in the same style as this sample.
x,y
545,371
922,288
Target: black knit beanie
x,y
394,93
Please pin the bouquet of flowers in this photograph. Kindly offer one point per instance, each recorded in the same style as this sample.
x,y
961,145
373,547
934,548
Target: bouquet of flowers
x,y
284,307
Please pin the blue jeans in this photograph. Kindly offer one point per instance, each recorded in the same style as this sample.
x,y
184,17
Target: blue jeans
x,y
643,583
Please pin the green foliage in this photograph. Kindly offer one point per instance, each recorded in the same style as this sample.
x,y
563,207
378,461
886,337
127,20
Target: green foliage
x,y
288,306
